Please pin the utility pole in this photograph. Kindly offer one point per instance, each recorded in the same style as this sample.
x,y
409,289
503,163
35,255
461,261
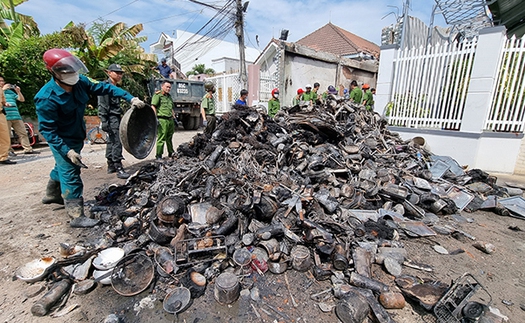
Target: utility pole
x,y
239,32
406,7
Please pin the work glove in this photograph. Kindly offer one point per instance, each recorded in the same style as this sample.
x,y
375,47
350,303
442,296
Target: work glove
x,y
137,103
75,158
205,123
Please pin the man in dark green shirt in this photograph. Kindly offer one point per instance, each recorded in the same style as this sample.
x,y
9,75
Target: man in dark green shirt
x,y
208,109
162,104
356,95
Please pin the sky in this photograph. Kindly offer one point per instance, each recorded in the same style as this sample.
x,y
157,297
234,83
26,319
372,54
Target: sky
x,y
264,19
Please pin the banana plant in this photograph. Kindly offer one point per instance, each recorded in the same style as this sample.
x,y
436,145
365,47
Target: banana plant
x,y
97,52
21,26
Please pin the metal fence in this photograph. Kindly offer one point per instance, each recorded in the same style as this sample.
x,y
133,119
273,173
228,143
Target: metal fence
x,y
430,86
228,89
266,85
507,113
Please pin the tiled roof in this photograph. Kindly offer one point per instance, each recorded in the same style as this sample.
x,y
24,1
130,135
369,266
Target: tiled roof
x,y
335,40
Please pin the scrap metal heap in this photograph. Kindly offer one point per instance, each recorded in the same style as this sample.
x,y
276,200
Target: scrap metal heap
x,y
331,178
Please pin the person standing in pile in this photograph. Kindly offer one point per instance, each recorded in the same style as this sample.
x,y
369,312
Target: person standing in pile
x,y
242,99
163,105
274,105
13,94
296,99
309,95
60,106
356,95
110,113
318,96
208,109
368,97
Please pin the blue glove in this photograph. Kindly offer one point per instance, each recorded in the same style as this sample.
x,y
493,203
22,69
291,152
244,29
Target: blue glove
x,y
205,123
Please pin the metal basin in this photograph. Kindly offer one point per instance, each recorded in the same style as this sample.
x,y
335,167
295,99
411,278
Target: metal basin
x,y
138,130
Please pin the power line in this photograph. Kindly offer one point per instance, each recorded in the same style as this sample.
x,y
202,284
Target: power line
x,y
124,6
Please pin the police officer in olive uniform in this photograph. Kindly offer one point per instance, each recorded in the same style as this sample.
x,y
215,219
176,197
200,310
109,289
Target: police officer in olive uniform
x,y
208,109
110,113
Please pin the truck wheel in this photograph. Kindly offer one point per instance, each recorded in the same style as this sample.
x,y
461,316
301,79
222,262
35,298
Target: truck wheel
x,y
187,123
197,123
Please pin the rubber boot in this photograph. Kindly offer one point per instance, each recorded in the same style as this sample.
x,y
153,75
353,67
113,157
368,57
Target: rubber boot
x,y
111,167
75,210
121,173
53,193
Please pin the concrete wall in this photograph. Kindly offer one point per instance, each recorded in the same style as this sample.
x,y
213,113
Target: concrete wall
x,y
300,71
491,152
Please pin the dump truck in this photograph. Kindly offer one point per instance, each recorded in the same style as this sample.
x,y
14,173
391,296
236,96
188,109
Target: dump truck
x,y
186,96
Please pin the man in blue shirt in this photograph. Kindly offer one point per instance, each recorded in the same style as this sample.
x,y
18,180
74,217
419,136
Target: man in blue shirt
x,y
242,99
164,69
60,106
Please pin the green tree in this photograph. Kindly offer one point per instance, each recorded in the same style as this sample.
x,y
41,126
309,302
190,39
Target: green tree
x,y
21,26
200,69
106,43
23,65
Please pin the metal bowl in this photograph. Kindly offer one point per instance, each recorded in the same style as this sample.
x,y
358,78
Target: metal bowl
x,y
99,273
177,300
138,130
35,270
133,274
108,258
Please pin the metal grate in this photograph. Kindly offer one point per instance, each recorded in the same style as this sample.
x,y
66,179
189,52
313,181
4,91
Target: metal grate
x,y
467,16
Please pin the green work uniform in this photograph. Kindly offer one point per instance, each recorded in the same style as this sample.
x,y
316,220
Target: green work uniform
x,y
369,98
208,105
356,95
273,107
309,96
166,126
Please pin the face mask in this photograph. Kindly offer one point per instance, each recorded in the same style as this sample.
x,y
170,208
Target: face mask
x,y
276,95
70,79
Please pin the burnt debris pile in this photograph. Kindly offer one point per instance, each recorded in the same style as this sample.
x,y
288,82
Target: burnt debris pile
x,y
327,189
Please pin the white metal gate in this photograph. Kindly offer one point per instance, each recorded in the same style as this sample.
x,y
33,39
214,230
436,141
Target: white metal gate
x,y
430,86
266,85
228,89
507,112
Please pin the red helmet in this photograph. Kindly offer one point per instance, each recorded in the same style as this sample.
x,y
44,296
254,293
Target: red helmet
x,y
366,86
300,91
61,61
275,91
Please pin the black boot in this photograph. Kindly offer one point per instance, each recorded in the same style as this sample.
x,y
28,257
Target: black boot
x,y
75,210
111,167
121,173
53,193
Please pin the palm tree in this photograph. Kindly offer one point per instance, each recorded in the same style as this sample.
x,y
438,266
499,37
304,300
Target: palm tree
x,y
200,69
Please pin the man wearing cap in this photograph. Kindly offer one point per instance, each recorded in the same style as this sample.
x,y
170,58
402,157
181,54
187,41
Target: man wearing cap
x,y
309,95
164,69
110,113
368,97
297,99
